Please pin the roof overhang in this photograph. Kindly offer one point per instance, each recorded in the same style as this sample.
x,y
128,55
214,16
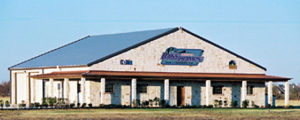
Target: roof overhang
x,y
161,75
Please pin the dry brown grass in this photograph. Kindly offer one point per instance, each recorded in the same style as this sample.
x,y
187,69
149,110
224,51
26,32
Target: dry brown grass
x,y
189,114
292,102
5,99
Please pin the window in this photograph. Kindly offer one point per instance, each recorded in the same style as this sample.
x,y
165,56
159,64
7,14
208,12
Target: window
x,y
78,87
142,88
250,89
232,64
109,88
217,89
58,86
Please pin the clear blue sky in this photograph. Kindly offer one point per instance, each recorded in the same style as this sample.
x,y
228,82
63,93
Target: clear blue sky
x,y
264,31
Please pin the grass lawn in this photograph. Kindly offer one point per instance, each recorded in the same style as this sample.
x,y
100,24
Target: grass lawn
x,y
153,114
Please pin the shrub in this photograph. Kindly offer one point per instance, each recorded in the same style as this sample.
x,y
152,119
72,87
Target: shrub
x,y
22,104
7,103
156,101
216,103
234,104
163,103
1,103
83,105
52,101
101,105
254,105
72,105
145,103
36,104
150,102
31,105
245,103
45,105
90,105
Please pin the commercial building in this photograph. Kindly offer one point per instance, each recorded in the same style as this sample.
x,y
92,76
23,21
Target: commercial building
x,y
173,64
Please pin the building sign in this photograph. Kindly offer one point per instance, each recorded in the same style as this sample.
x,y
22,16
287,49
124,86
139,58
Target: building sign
x,y
174,56
126,62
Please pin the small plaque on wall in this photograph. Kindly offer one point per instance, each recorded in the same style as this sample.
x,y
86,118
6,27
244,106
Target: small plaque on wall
x,y
126,62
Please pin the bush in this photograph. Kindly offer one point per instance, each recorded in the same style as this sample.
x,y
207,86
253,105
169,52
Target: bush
x,y
145,103
90,105
52,101
36,104
245,103
1,103
83,105
234,104
254,105
7,103
101,105
150,103
72,105
45,105
31,105
163,103
156,101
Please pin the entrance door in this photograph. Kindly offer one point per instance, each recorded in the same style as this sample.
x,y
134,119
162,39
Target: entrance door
x,y
180,96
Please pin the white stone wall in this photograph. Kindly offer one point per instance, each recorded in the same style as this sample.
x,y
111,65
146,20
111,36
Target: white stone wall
x,y
192,90
73,91
231,91
22,85
148,57
21,76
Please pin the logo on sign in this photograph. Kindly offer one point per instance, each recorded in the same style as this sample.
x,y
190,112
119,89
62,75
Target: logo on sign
x,y
126,62
174,56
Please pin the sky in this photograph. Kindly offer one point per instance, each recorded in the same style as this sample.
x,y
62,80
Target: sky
x,y
264,31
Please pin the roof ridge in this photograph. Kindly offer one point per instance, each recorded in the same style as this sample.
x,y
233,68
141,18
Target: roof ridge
x,y
130,32
50,51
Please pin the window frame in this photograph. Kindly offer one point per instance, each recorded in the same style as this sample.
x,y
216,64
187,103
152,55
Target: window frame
x,y
232,64
215,90
142,88
106,88
250,89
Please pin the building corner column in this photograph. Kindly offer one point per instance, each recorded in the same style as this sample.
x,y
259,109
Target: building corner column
x,y
66,90
286,94
102,90
51,87
270,92
83,89
13,88
244,91
167,90
208,89
133,92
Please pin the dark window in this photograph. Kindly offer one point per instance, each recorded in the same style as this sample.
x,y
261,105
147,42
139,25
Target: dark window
x,y
232,64
58,86
44,88
78,87
217,89
109,88
250,89
142,88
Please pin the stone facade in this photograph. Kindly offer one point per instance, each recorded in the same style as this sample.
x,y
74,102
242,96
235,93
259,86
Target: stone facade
x,y
216,60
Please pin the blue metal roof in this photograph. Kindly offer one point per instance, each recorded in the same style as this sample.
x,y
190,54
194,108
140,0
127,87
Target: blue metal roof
x,y
92,49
